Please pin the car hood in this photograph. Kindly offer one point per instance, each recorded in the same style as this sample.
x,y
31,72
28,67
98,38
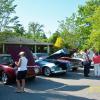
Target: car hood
x,y
60,53
14,51
50,64
45,63
81,59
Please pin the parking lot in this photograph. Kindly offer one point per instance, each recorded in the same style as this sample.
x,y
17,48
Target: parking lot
x,y
72,86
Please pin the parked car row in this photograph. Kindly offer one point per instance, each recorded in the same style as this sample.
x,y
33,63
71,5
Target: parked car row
x,y
39,63
58,62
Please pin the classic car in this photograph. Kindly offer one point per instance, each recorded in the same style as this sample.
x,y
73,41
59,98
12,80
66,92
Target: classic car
x,y
75,63
79,57
51,66
64,56
8,69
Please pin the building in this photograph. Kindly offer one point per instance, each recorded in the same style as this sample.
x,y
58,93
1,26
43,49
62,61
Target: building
x,y
20,41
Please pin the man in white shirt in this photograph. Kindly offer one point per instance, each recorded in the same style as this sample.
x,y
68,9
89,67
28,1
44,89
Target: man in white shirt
x,y
22,71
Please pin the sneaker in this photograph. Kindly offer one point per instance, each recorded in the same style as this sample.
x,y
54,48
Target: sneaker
x,y
18,91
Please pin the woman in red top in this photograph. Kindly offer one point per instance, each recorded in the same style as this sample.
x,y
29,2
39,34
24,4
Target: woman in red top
x,y
96,60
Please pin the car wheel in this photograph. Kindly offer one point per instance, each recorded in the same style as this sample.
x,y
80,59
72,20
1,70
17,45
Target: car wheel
x,y
74,69
47,71
4,78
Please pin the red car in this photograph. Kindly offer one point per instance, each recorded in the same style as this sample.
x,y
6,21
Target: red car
x,y
7,66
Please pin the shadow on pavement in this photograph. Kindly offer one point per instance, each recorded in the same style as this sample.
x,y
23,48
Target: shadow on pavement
x,y
43,84
77,75
35,91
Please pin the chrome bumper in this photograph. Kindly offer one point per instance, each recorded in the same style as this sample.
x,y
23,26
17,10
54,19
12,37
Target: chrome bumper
x,y
59,71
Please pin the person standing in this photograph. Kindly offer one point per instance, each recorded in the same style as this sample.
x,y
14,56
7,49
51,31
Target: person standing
x,y
21,72
86,63
96,60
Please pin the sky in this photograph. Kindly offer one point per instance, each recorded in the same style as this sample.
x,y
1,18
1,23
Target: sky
x,y
46,12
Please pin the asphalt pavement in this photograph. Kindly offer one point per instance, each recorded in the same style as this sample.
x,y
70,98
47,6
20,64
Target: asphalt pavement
x,y
72,86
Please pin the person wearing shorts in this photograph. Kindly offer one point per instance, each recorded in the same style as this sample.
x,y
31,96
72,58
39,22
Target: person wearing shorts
x,y
21,72
21,75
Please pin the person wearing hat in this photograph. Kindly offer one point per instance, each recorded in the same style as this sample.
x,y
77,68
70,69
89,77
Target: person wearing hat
x,y
21,72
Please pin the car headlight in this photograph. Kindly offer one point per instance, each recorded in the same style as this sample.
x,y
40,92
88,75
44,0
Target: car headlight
x,y
53,68
36,70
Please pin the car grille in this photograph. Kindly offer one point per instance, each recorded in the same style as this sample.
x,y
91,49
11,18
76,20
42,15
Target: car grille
x,y
63,66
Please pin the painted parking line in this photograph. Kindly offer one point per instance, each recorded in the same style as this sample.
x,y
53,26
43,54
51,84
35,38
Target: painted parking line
x,y
94,89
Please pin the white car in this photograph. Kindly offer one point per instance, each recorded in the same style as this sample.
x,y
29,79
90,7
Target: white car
x,y
50,66
80,57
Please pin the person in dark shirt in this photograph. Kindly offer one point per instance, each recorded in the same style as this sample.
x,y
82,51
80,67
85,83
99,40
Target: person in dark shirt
x,y
86,63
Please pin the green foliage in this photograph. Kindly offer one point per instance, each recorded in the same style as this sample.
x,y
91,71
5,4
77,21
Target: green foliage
x,y
35,29
81,30
94,39
85,23
7,8
54,37
18,28
6,34
68,24
68,32
35,32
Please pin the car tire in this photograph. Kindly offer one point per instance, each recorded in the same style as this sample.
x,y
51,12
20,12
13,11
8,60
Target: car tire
x,y
74,69
4,78
47,71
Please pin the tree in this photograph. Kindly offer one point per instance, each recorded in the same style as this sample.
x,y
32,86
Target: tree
x,y
6,34
69,24
53,37
7,8
18,28
67,30
94,40
35,29
85,26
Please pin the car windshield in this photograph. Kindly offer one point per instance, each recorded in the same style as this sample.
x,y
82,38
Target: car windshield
x,y
40,55
78,55
6,60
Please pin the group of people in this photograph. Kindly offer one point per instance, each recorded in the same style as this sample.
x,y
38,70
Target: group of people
x,y
88,58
